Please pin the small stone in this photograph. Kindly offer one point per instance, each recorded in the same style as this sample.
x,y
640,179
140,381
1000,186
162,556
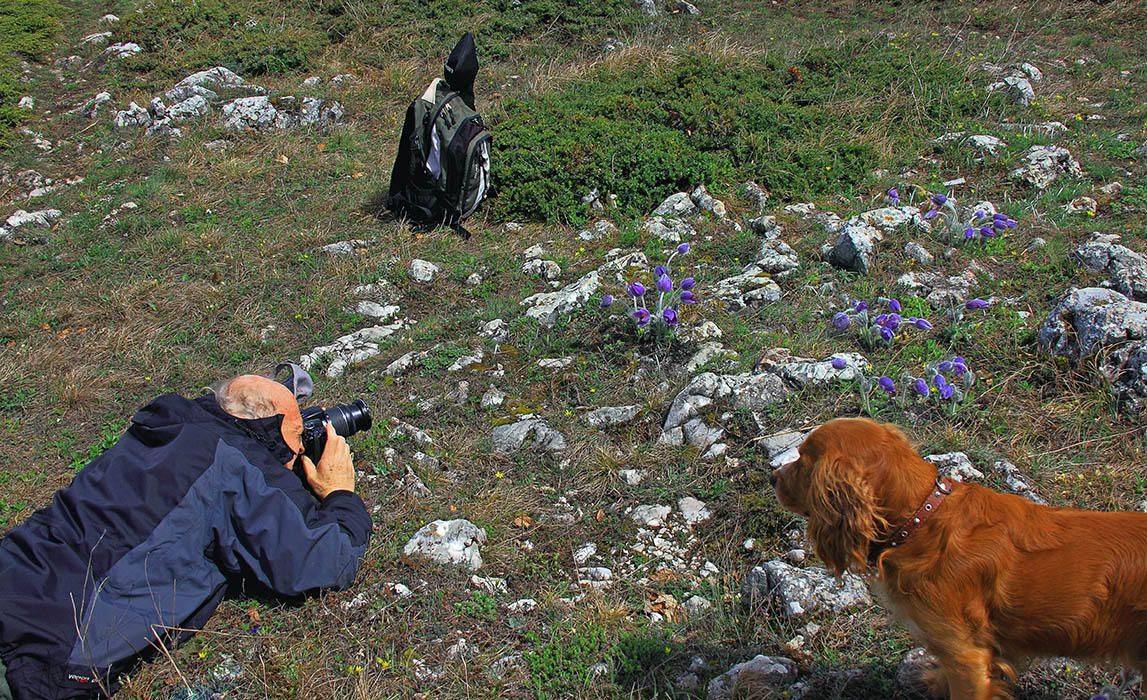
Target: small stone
x,y
582,554
693,510
467,361
955,465
448,542
919,253
492,585
496,330
696,605
423,271
493,398
522,606
985,143
612,415
1113,189
796,556
1082,205
650,515
676,205
753,676
555,362
631,477
26,102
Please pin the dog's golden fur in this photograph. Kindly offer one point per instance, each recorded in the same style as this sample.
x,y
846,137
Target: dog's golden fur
x,y
990,579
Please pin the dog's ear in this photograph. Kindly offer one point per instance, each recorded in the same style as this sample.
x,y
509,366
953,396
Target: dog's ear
x,y
842,512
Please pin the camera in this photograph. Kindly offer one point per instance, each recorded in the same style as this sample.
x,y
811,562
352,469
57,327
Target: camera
x,y
347,419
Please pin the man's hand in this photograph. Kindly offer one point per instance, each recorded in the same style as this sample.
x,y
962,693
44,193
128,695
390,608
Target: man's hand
x,y
335,471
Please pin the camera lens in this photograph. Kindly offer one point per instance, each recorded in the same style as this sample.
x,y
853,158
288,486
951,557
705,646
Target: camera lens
x,y
349,418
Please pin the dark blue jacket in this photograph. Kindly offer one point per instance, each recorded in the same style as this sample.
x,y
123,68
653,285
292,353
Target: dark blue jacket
x,y
146,537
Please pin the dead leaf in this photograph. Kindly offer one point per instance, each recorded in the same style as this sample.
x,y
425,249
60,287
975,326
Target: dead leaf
x,y
281,159
662,604
358,175
523,521
322,147
600,515
253,614
663,575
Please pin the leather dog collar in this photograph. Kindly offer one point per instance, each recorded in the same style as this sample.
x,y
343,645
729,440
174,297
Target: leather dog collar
x,y
941,490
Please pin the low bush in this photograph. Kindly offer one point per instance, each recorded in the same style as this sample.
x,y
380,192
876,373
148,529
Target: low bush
x,y
801,130
27,29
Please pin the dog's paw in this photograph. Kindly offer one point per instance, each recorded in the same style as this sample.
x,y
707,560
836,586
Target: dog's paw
x,y
920,675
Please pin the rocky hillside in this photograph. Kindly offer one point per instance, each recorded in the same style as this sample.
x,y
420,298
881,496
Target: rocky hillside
x,y
714,227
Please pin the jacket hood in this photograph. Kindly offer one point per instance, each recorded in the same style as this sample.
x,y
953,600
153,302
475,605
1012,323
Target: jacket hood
x,y
161,421
461,68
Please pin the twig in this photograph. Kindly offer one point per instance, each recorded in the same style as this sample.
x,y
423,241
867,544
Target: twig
x,y
1085,442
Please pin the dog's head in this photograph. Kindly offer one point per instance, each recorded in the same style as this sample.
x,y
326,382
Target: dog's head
x,y
853,474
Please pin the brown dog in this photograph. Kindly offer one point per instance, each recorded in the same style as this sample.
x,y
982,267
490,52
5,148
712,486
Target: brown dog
x,y
984,580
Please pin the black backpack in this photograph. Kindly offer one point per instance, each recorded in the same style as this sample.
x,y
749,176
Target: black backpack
x,y
442,170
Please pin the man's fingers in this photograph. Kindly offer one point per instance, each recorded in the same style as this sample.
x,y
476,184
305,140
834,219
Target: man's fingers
x,y
308,467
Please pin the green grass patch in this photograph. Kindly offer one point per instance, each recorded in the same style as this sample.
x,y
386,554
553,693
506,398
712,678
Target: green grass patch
x,y
250,38
27,29
819,126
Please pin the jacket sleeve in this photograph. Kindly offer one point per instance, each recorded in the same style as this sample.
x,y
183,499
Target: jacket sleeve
x,y
271,528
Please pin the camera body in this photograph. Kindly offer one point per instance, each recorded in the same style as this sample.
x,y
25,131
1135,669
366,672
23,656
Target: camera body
x,y
347,419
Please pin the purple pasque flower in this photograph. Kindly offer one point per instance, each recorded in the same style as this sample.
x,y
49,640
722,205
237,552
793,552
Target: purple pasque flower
x,y
894,304
945,366
893,321
939,199
887,385
841,321
931,214
687,283
938,381
670,317
960,365
974,304
683,248
946,391
641,315
688,298
886,334
979,214
636,289
921,387
659,271
922,324
881,319
860,305
664,284
607,301
894,196
969,233
839,363
987,232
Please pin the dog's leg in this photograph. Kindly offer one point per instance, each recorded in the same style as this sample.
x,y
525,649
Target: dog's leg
x,y
969,673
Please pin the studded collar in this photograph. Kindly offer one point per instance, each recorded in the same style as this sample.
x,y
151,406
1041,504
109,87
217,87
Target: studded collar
x,y
939,492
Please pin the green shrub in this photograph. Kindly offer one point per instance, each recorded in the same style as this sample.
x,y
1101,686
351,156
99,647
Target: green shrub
x,y
250,38
27,29
640,661
560,667
496,24
801,131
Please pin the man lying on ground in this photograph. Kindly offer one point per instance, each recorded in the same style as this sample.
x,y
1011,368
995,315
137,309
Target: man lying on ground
x,y
137,552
